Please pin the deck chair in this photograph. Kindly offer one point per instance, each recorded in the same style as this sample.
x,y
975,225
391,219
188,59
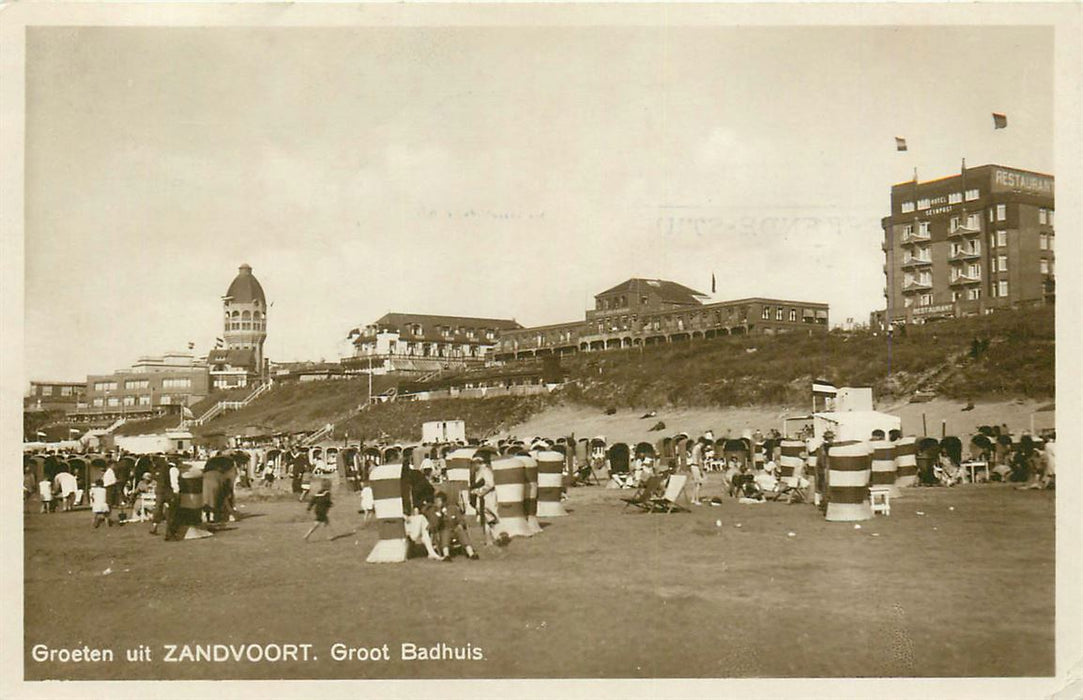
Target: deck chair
x,y
667,502
644,497
791,489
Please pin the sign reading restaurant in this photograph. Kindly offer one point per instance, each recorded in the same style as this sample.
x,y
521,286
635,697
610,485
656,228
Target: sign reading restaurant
x,y
1015,181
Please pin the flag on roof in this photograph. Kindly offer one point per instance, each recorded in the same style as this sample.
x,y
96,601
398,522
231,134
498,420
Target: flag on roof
x,y
900,144
1000,121
822,387
714,287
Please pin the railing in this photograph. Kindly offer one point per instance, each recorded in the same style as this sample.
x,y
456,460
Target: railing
x,y
223,406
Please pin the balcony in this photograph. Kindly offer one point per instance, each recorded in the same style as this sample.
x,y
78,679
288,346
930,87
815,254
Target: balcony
x,y
916,237
917,286
963,232
964,254
962,279
914,262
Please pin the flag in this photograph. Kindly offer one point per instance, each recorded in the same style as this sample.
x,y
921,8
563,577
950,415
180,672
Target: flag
x,y
41,434
714,288
1000,121
191,346
900,144
822,387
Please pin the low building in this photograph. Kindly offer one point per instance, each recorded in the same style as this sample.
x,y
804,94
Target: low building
x,y
641,312
54,396
150,387
402,342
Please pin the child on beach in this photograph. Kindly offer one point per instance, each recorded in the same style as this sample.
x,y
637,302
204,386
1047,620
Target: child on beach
x,y
99,504
320,501
368,505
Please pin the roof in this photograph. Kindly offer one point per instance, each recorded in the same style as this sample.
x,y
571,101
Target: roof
x,y
245,288
401,319
668,291
236,357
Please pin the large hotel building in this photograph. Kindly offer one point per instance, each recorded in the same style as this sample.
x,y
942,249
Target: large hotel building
x,y
968,244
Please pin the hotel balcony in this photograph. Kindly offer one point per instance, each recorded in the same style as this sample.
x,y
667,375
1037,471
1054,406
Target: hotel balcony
x,y
917,286
914,262
963,232
916,237
960,280
963,255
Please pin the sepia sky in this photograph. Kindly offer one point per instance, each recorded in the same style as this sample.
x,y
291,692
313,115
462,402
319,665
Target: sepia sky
x,y
482,171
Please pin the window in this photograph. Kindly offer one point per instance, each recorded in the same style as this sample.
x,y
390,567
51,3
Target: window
x,y
1050,242
991,219
923,228
137,384
1002,212
129,400
177,383
971,195
926,278
973,222
779,313
908,230
793,315
1002,239
907,207
926,299
144,400
908,302
955,198
766,315
1043,216
113,401
1050,215
105,386
1002,288
956,296
954,223
1002,263
973,271
923,203
908,279
65,391
992,241
973,294
98,403
1043,264
1043,241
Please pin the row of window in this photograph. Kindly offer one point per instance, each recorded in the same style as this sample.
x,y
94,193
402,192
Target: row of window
x,y
48,391
245,326
1000,289
129,401
244,315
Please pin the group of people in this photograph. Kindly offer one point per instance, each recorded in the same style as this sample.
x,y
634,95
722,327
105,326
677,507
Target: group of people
x,y
131,488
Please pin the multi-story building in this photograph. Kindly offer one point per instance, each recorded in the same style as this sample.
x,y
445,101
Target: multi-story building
x,y
150,386
644,312
241,361
969,243
420,343
54,396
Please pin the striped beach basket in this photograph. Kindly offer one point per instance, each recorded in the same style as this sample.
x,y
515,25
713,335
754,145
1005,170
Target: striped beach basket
x,y
550,483
386,482
849,468
509,474
906,463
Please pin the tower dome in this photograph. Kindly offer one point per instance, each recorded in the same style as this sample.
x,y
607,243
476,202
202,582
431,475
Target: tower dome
x,y
245,288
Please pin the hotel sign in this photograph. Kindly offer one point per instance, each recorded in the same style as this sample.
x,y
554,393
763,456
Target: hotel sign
x,y
1015,181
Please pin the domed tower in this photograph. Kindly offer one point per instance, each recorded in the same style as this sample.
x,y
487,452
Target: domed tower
x,y
245,309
